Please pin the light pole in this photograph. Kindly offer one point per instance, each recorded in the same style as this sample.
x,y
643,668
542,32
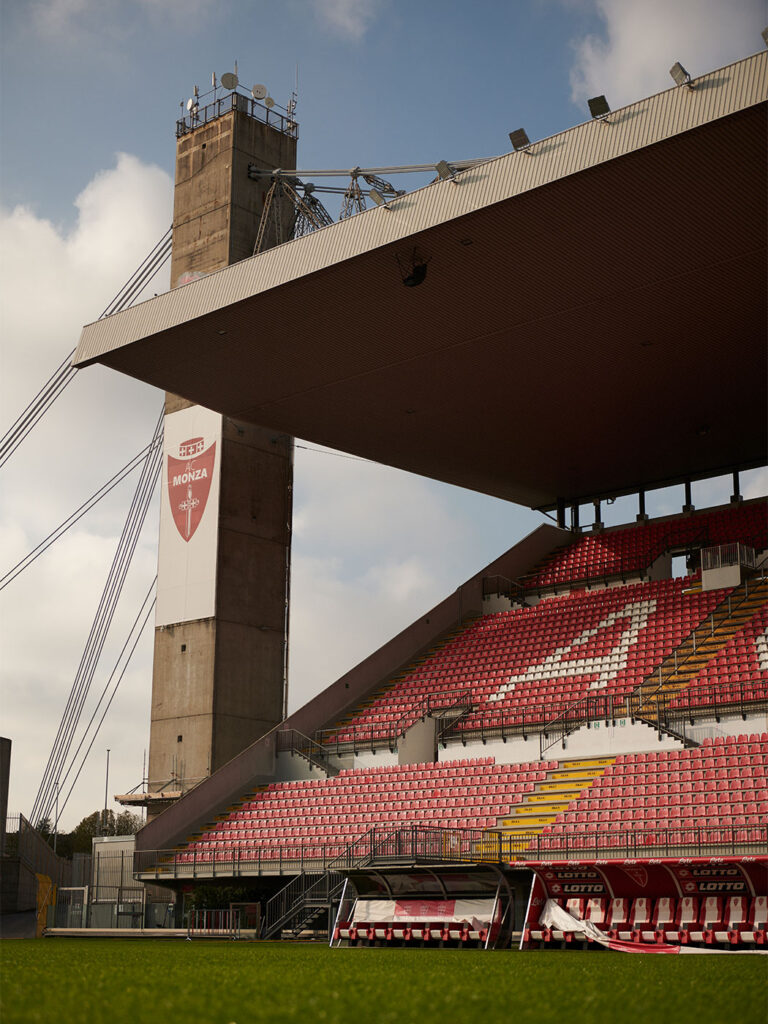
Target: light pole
x,y
106,791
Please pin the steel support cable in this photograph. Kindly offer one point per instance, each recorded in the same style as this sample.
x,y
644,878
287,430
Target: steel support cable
x,y
119,300
141,282
65,372
79,694
101,623
75,517
42,401
131,640
96,640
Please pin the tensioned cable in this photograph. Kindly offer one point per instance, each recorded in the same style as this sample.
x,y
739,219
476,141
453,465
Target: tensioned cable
x,y
134,522
75,517
346,172
65,372
84,678
98,633
138,631
157,254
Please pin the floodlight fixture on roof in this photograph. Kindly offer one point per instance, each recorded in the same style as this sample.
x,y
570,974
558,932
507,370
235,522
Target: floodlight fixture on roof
x,y
680,75
520,141
378,198
445,172
598,108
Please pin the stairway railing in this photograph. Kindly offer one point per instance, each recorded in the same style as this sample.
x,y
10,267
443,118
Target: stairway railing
x,y
652,688
303,893
578,713
295,742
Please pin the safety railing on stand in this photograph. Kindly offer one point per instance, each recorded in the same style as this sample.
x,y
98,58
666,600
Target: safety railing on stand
x,y
416,845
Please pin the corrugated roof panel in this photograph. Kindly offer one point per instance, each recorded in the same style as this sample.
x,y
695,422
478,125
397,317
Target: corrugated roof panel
x,y
642,124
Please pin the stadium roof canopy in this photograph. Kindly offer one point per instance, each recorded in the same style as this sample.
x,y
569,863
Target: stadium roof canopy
x,y
592,322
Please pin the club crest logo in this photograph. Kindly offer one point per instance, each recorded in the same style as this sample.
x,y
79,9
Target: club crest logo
x,y
189,483
638,875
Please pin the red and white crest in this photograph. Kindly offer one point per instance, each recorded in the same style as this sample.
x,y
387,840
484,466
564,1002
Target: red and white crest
x,y
189,483
638,874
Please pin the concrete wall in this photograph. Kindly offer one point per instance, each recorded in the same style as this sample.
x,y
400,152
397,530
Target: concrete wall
x,y
219,683
717,579
419,743
216,206
597,741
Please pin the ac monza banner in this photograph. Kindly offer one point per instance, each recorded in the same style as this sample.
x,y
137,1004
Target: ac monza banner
x,y
189,512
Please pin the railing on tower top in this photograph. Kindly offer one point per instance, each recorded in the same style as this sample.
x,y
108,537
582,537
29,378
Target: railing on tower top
x,y
199,116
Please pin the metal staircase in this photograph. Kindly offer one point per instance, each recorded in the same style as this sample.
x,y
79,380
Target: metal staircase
x,y
300,903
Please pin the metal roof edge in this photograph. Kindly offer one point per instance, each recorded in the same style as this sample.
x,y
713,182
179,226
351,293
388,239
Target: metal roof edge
x,y
630,129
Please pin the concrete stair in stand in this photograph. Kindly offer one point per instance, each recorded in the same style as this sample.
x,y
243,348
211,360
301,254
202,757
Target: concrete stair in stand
x,y
690,659
561,787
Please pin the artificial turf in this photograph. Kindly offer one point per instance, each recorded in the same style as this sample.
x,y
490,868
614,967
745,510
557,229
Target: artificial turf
x,y
115,981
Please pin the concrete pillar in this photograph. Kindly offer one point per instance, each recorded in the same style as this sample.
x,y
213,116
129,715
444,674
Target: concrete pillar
x,y
598,523
219,676
688,506
641,513
736,497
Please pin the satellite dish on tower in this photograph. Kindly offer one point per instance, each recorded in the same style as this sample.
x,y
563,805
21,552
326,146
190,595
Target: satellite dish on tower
x,y
190,104
259,92
269,102
229,81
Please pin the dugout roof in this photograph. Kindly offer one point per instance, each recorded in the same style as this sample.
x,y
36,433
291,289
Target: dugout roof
x,y
593,318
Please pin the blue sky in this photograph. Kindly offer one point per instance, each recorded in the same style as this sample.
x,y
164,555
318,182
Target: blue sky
x,y
90,94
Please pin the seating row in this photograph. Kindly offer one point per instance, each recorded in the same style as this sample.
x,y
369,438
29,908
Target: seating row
x,y
734,920
623,796
634,548
522,662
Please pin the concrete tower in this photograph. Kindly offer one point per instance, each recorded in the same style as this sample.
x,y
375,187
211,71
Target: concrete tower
x,y
219,677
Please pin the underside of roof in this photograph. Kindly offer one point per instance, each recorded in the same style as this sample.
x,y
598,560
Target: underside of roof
x,y
592,321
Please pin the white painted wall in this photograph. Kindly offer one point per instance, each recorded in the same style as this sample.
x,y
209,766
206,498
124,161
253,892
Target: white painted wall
x,y
597,741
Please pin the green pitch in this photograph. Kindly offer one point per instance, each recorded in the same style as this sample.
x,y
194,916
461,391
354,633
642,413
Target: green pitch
x,y
98,981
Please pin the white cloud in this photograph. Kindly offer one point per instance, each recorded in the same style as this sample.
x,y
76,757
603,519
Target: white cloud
x,y
52,282
641,39
348,18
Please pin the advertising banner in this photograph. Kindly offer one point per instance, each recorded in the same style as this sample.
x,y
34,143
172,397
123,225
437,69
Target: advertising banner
x,y
189,516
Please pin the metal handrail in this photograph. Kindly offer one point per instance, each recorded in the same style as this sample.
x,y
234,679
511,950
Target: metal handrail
x,y
293,741
414,844
632,704
657,680
236,101
368,737
667,543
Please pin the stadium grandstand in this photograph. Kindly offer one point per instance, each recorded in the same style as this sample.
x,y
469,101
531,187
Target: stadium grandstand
x,y
571,749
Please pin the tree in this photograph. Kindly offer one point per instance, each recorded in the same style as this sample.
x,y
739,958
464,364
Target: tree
x,y
128,824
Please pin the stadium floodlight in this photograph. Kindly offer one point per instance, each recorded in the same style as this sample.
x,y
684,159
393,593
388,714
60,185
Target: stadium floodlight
x,y
598,108
680,75
378,198
520,141
445,172
764,34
